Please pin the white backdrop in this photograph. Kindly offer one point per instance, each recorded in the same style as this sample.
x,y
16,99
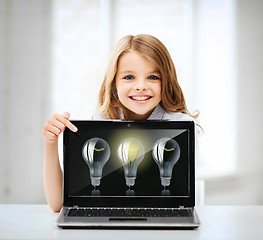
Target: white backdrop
x,y
38,57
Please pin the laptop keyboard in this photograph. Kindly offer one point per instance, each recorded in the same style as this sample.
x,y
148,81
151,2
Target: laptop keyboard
x,y
128,212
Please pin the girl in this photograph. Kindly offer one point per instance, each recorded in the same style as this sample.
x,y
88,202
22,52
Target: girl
x,y
140,83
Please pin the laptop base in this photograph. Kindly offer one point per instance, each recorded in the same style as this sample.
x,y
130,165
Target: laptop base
x,y
128,222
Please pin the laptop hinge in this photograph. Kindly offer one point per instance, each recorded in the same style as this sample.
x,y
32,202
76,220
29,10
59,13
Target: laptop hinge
x,y
181,207
75,206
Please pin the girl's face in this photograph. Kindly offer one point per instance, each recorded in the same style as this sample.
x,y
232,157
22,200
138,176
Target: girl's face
x,y
138,86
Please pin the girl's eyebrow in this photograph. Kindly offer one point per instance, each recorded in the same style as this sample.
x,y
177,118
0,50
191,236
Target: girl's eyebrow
x,y
154,72
125,72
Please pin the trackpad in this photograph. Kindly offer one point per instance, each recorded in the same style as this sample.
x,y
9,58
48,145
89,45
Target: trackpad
x,y
128,219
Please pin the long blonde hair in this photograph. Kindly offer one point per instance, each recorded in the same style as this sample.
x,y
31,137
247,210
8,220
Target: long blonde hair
x,y
156,53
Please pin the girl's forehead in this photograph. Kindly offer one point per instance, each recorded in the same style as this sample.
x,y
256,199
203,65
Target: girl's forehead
x,y
133,58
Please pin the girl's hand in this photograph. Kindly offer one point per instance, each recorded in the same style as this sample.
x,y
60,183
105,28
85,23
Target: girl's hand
x,y
55,125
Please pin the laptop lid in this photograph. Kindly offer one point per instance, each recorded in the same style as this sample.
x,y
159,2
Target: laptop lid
x,y
147,164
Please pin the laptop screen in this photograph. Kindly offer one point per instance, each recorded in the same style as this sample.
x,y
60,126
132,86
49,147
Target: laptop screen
x,y
128,163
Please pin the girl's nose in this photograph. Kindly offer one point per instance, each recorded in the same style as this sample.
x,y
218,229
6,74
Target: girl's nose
x,y
140,85
141,88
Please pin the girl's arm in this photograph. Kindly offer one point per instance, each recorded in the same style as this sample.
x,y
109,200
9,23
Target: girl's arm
x,y
52,176
52,171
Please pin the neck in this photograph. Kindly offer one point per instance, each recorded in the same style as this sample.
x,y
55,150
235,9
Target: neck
x,y
128,115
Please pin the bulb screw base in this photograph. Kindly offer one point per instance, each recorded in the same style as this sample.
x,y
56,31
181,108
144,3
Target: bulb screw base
x,y
165,181
130,181
95,181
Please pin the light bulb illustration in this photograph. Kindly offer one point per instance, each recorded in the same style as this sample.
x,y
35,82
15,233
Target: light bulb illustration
x,y
130,153
166,153
96,152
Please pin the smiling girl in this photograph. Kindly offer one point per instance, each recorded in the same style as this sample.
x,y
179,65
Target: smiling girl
x,y
140,84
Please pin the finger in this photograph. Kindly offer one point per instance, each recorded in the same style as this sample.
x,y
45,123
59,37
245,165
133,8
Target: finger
x,y
66,115
55,130
67,123
55,123
49,135
48,127
59,125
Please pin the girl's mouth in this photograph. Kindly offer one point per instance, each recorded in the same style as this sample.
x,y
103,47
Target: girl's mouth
x,y
140,98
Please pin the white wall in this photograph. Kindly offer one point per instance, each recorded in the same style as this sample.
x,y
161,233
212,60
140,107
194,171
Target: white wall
x,y
246,187
24,71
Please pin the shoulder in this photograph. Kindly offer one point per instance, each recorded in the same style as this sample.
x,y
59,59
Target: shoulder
x,y
98,117
178,116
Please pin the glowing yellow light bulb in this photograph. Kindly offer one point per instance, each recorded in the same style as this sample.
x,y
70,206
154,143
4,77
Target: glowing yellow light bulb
x,y
130,153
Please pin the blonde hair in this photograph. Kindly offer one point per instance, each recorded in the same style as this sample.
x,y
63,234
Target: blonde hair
x,y
156,53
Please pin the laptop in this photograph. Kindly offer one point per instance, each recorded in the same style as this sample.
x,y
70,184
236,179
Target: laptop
x,y
129,174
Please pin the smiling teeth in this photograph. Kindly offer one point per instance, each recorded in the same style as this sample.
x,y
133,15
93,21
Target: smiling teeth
x,y
140,98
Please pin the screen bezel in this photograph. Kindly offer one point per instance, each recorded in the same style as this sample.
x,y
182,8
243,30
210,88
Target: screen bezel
x,y
145,202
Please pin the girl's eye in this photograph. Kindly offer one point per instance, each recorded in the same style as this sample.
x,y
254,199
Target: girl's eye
x,y
129,77
153,77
